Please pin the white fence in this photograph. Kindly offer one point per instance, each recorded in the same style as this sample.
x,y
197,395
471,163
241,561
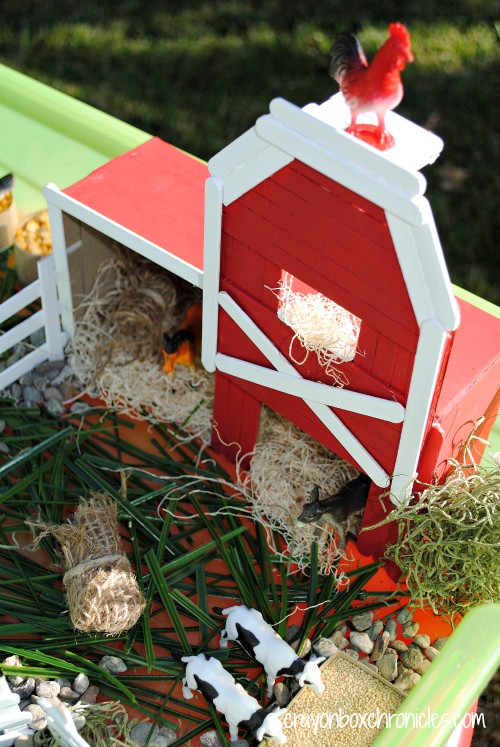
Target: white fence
x,y
48,318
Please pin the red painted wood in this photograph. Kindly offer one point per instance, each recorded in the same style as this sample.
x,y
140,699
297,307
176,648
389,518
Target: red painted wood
x,y
236,419
156,191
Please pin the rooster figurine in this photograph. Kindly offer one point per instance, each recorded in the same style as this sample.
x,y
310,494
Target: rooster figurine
x,y
374,87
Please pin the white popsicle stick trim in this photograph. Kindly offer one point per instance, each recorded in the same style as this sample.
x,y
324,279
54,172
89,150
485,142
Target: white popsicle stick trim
x,y
249,174
364,404
350,175
60,254
54,338
123,235
211,263
426,369
325,415
352,149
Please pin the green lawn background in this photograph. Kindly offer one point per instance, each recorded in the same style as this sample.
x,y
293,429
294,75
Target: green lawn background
x,y
198,74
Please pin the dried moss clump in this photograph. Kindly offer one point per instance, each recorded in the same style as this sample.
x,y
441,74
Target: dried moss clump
x,y
448,542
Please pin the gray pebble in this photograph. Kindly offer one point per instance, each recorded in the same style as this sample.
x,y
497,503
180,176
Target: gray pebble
x,y
67,693
304,649
371,666
79,720
161,741
26,379
361,642
344,643
398,645
352,652
410,629
422,640
16,391
54,407
15,680
4,448
2,425
64,373
80,407
439,642
325,647
89,697
375,630
423,667
24,740
48,688
431,653
239,743
337,637
51,392
387,666
210,739
407,680
30,394
113,664
281,693
40,382
363,621
342,628
402,668
412,658
169,734
63,682
80,683
404,616
50,368
140,733
391,628
38,721
25,689
12,661
380,646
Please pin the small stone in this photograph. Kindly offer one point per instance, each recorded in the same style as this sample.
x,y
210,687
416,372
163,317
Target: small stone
x,y
281,693
398,645
210,739
16,391
24,740
32,395
15,680
12,661
26,379
79,720
239,743
160,741
292,632
38,721
50,368
402,668
48,688
4,448
431,653
64,373
363,621
407,680
391,628
337,637
113,664
67,389
344,643
375,630
343,629
325,647
380,646
54,408
51,392
89,697
2,425
361,642
80,407
140,733
25,689
352,652
63,682
439,642
423,667
422,640
304,649
387,666
80,683
66,693
405,615
169,734
371,666
40,382
409,629
412,658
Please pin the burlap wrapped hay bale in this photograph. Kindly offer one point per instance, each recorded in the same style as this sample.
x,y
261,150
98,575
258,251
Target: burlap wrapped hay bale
x,y
101,589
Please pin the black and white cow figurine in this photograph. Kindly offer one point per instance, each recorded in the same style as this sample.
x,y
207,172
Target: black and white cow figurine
x,y
241,710
256,636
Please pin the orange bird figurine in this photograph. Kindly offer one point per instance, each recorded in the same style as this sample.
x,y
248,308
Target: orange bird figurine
x,y
374,87
184,345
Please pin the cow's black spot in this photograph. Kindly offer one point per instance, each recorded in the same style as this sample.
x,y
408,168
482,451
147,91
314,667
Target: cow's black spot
x,y
255,721
296,667
209,692
247,640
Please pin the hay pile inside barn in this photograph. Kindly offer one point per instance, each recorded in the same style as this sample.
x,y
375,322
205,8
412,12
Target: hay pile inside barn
x,y
320,326
286,465
116,350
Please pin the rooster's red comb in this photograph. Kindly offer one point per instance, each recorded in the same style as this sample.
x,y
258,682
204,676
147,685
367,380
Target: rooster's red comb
x,y
400,32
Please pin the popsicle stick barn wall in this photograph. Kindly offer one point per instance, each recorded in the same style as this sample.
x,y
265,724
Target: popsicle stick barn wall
x,y
297,195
